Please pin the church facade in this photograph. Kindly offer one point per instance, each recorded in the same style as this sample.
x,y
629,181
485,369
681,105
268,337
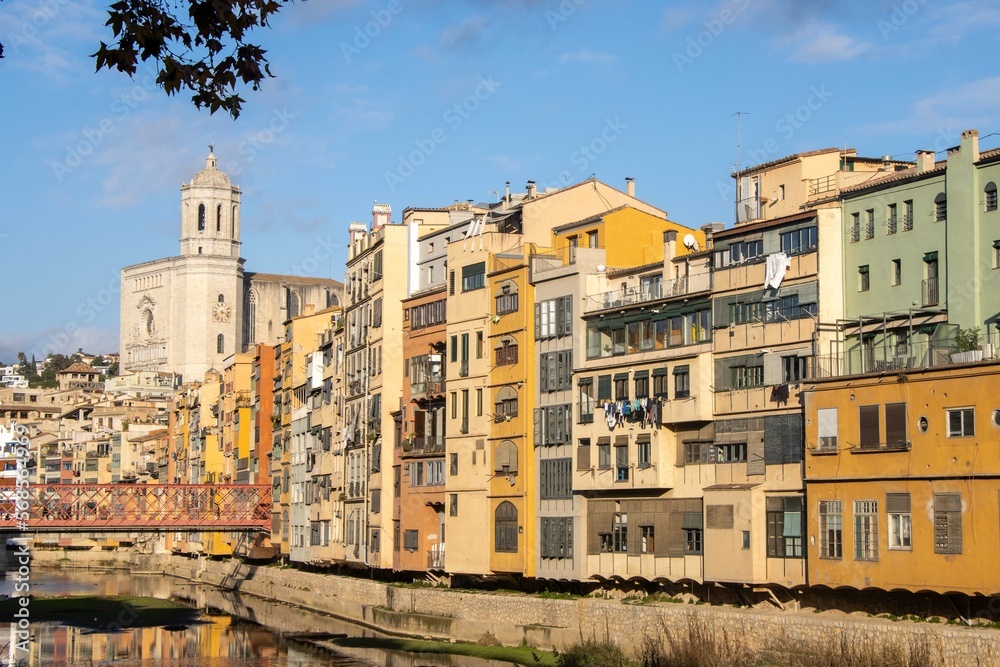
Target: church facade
x,y
187,314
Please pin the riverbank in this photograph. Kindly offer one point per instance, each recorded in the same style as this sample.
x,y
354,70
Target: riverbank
x,y
94,612
513,619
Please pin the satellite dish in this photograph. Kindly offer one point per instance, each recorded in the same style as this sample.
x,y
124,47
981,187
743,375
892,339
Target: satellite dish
x,y
690,242
600,268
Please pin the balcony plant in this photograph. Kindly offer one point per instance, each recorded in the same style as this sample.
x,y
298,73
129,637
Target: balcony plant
x,y
968,346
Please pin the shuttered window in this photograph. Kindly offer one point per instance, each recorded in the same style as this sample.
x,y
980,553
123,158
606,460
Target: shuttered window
x,y
784,527
895,425
505,529
556,479
557,537
947,523
583,454
784,439
719,517
897,506
827,418
866,530
868,417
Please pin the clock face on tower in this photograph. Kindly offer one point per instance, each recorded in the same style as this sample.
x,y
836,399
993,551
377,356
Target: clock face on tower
x,y
222,312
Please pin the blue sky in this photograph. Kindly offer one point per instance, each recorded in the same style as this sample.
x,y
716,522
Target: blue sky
x,y
422,102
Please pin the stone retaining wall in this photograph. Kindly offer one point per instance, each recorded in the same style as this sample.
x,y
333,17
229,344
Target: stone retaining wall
x,y
547,623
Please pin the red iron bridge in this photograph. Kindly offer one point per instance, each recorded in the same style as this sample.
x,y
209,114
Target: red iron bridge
x,y
148,507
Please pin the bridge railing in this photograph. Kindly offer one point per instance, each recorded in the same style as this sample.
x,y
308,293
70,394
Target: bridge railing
x,y
139,506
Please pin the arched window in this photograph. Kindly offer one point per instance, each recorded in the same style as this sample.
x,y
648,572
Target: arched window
x,y
506,407
505,537
506,297
250,319
218,218
222,299
201,217
940,208
292,306
505,351
331,299
505,458
220,344
991,196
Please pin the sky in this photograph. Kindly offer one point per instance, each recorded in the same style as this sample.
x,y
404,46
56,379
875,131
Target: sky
x,y
424,102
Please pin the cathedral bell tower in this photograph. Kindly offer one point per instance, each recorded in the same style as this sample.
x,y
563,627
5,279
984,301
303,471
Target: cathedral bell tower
x,y
210,213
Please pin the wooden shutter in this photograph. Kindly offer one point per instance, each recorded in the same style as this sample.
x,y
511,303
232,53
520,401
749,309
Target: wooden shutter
x,y
868,416
538,426
599,517
947,523
719,517
794,442
897,503
538,321
674,533
567,325
774,439
543,372
773,370
895,425
451,283
583,455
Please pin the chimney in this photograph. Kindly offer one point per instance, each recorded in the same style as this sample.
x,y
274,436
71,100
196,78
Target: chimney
x,y
925,161
710,230
356,231
630,186
669,244
380,215
531,190
970,144
886,163
506,197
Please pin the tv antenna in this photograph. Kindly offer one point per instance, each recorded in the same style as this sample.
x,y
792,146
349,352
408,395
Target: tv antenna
x,y
739,121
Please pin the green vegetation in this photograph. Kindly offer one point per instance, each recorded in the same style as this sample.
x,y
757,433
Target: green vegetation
x,y
967,340
594,653
522,655
109,613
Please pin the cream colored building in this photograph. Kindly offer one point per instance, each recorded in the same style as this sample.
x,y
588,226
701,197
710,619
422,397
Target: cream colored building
x,y
188,313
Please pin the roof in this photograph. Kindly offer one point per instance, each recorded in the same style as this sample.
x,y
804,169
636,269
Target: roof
x,y
294,280
586,221
789,158
730,487
78,367
763,224
634,269
211,176
912,173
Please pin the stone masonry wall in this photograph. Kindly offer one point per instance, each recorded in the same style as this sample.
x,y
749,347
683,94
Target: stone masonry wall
x,y
548,623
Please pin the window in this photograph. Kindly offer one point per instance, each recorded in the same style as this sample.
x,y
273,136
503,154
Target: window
x,y
621,458
996,254
940,208
505,352
647,540
452,504
692,527
831,529
644,457
863,280
794,369
827,427
592,239
555,370
376,501
855,227
621,387
479,403
411,540
506,299
961,422
891,220
473,276
682,382
505,528
479,345
897,273
556,478
660,384
435,472
557,538
583,454
784,527
746,377
506,403
604,453
801,240
745,251
416,473
603,388
991,196
453,464
733,452
895,426
947,523
641,384
554,318
201,217
870,224
868,419
586,392
451,283
505,459
220,344
897,506
866,530
619,532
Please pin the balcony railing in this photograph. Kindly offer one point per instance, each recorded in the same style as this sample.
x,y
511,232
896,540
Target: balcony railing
x,y
432,387
435,559
898,358
426,445
463,370
652,292
823,184
930,292
891,224
907,222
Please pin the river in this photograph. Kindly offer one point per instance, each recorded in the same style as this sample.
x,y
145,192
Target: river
x,y
235,631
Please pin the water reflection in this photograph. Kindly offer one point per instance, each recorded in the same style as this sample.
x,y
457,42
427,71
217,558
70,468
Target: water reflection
x,y
238,631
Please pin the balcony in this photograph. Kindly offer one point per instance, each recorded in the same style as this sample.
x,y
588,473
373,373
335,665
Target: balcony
x,y
652,292
433,387
930,292
908,222
891,225
872,447
435,559
463,370
822,185
899,358
422,445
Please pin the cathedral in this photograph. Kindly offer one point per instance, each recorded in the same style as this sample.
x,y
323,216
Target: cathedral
x,y
186,314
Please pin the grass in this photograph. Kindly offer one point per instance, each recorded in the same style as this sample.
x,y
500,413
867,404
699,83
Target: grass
x,y
522,655
109,613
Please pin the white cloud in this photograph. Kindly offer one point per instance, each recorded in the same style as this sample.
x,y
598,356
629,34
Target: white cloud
x,y
974,104
818,42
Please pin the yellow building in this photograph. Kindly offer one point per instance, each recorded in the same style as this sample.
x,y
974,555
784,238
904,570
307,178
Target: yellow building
x,y
901,471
